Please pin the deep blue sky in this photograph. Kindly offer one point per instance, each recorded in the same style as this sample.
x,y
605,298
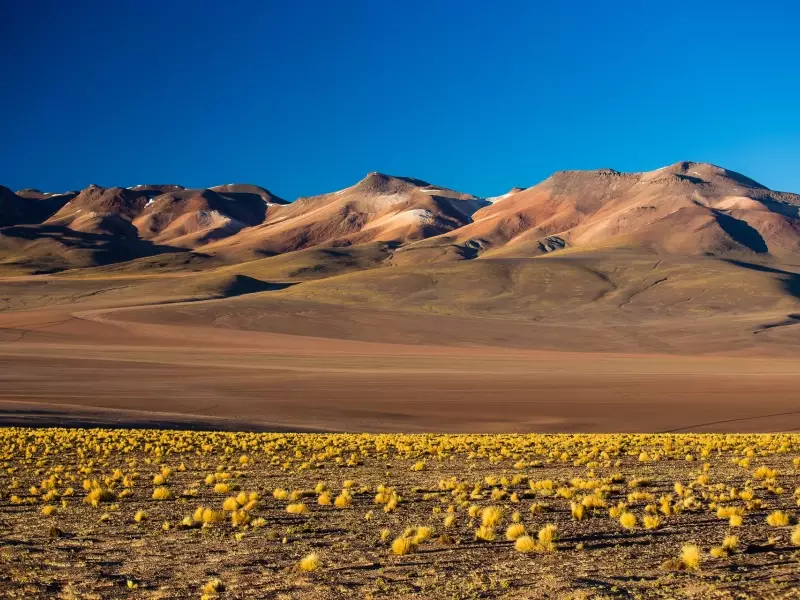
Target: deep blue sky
x,y
306,97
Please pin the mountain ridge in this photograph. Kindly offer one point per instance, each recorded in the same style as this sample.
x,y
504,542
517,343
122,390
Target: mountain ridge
x,y
687,208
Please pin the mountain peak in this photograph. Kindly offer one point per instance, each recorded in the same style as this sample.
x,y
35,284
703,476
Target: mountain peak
x,y
703,172
388,184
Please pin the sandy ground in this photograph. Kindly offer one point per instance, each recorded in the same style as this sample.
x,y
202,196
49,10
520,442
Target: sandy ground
x,y
223,364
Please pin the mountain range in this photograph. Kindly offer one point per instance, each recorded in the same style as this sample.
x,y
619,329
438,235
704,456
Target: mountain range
x,y
685,209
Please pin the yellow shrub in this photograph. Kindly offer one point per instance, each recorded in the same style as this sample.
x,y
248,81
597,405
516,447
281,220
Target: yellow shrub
x,y
491,516
778,518
547,536
310,562
795,537
525,543
651,522
690,556
628,520
485,533
161,493
403,545
514,531
297,508
230,504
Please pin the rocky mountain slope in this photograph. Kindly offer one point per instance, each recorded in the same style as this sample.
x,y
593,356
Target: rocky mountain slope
x,y
685,209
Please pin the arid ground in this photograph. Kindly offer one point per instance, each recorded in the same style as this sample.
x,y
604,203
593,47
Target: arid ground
x,y
127,351
110,514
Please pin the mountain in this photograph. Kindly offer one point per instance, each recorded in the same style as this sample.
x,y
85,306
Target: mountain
x,y
237,191
167,213
43,232
29,206
379,208
686,209
191,218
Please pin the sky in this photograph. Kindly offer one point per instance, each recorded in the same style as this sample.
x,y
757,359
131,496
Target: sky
x,y
308,97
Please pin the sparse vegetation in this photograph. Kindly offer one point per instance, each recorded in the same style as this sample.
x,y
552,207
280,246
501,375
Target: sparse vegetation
x,y
588,507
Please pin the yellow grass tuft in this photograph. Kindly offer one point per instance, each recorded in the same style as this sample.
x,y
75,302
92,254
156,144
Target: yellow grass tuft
x,y
214,586
310,562
514,531
525,543
343,500
651,521
730,542
546,537
485,533
491,516
403,545
719,552
230,504
778,518
161,493
628,520
795,537
690,556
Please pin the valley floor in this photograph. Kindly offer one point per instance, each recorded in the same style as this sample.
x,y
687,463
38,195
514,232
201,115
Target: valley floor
x,y
131,351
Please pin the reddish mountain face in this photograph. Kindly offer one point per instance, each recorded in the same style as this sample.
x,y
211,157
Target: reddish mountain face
x,y
189,218
687,208
168,214
379,208
690,209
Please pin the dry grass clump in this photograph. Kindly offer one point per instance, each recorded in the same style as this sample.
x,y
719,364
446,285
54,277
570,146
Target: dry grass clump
x,y
344,499
403,545
628,520
485,533
690,556
491,516
213,586
778,518
547,537
297,508
525,543
310,562
795,535
162,493
514,530
651,521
